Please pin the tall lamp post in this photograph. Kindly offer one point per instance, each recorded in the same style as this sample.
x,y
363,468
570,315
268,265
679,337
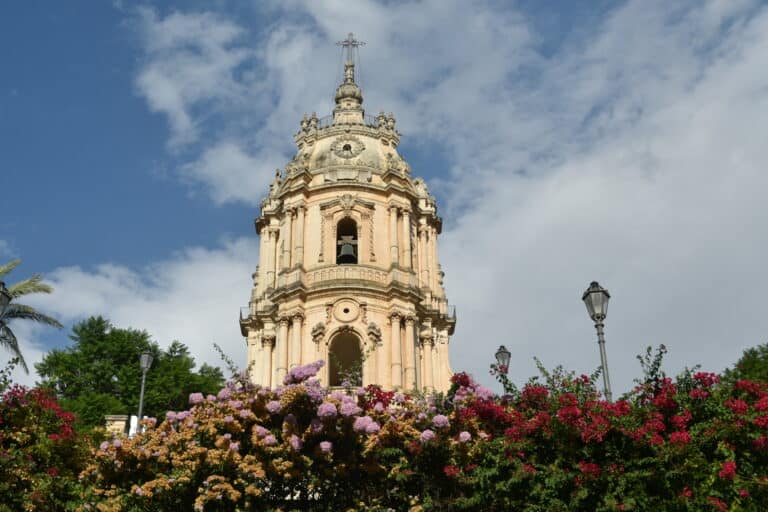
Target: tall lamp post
x,y
596,299
145,361
502,359
5,297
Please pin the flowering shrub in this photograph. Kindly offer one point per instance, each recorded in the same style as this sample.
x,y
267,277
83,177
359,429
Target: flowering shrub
x,y
688,444
40,453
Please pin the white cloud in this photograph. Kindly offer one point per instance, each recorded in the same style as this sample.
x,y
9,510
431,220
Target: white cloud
x,y
194,298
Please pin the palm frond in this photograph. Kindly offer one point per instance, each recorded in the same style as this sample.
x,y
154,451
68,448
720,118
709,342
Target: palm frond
x,y
4,269
9,341
21,311
32,284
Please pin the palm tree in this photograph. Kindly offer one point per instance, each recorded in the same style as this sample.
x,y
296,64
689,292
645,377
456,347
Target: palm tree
x,y
14,311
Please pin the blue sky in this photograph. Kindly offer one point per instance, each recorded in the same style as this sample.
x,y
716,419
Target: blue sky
x,y
565,142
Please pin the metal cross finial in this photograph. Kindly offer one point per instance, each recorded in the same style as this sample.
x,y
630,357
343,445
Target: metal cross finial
x,y
349,43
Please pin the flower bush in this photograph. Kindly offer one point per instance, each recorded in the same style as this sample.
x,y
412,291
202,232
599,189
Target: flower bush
x,y
676,445
40,453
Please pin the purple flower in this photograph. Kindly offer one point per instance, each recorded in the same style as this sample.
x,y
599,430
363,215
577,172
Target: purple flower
x,y
299,374
224,394
427,436
260,431
295,442
170,416
464,436
421,416
270,440
399,398
326,446
150,422
440,421
273,407
228,419
117,443
326,410
104,445
483,393
361,423
235,447
235,404
196,398
181,416
379,407
244,413
316,425
372,428
210,398
139,491
350,409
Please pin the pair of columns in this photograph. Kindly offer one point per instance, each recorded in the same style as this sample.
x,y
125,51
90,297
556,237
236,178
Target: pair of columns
x,y
399,361
281,353
405,235
428,256
293,248
272,259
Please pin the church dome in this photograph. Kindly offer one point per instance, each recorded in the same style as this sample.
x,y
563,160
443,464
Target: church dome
x,y
349,91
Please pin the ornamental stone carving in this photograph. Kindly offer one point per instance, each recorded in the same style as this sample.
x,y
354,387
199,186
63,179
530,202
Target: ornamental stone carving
x,y
374,333
318,332
347,146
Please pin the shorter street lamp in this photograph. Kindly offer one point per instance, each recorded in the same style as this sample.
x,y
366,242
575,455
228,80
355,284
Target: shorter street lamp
x,y
5,297
145,361
502,358
596,299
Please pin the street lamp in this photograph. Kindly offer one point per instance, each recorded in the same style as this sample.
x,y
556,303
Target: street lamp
x,y
596,299
145,361
5,297
502,358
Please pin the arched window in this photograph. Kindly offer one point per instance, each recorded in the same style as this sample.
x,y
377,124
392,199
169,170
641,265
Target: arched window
x,y
346,242
345,360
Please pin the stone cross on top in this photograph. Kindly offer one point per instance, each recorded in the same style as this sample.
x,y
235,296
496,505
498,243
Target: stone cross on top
x,y
349,43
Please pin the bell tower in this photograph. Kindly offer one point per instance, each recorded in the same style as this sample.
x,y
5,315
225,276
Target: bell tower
x,y
348,262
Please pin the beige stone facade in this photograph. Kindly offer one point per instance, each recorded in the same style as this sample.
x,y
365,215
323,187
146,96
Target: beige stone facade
x,y
348,265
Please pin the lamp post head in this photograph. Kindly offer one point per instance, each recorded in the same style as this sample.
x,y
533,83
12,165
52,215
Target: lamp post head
x,y
596,299
502,358
5,297
145,361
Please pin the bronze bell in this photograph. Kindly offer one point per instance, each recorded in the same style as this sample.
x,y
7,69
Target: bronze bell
x,y
347,254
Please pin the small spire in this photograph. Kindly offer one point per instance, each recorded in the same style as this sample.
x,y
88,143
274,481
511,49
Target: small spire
x,y
350,43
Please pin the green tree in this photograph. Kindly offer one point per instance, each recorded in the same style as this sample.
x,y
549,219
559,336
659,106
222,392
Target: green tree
x,y
16,311
753,365
99,374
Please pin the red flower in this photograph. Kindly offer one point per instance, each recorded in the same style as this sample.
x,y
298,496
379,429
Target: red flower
x,y
686,492
762,404
728,470
743,493
719,504
707,379
762,421
451,471
589,469
680,438
736,405
53,471
698,394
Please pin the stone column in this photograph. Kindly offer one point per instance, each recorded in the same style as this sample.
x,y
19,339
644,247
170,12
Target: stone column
x,y
397,351
295,359
288,238
263,236
270,257
254,349
282,352
298,251
383,369
427,345
394,251
267,345
423,252
406,239
409,373
433,255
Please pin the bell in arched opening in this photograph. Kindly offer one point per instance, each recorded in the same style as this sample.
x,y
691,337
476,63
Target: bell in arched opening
x,y
346,242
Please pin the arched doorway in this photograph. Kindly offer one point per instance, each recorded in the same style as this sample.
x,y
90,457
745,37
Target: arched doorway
x,y
345,360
